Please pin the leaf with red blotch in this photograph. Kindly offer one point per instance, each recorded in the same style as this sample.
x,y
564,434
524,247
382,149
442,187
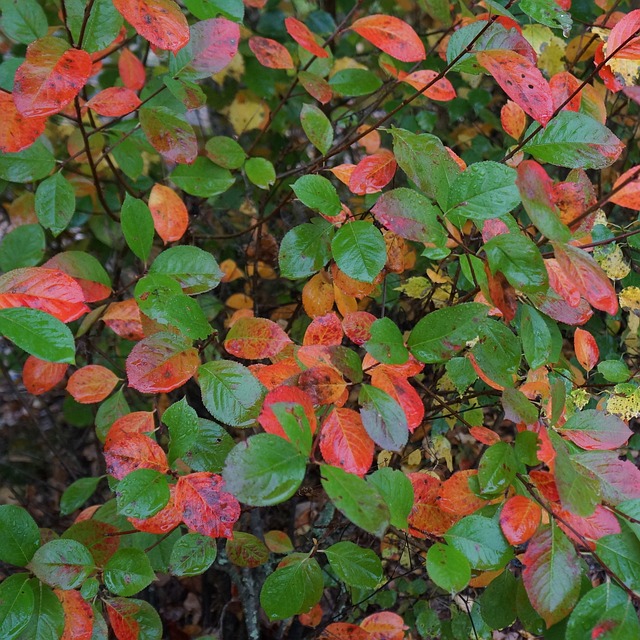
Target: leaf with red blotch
x,y
344,631
391,35
91,384
273,375
205,506
426,516
600,523
323,383
114,102
213,45
441,90
324,330
357,326
270,54
588,276
123,318
139,422
170,134
373,173
161,22
131,71
563,85
456,497
167,519
558,308
100,538
384,625
624,29
85,270
160,363
51,76
521,80
48,290
304,37
513,119
586,349
133,451
256,338
595,430
78,615
345,443
402,392
127,617
519,519
290,396
552,574
628,195
17,132
316,86
39,376
169,213
484,435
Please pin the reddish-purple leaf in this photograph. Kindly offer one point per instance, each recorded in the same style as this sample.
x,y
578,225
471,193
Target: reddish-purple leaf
x,y
624,29
213,45
596,430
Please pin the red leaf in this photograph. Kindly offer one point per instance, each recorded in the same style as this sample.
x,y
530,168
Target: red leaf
x,y
78,615
560,282
426,516
629,195
17,132
273,375
521,80
256,338
169,213
392,35
131,70
456,496
599,524
270,53
519,519
345,443
133,451
39,376
91,384
161,22
441,89
399,389
373,173
160,363
205,507
545,483
49,290
344,631
97,536
563,85
123,318
66,261
324,384
167,519
513,119
384,625
51,76
213,45
289,395
586,349
357,325
114,102
484,435
121,613
324,330
304,37
137,422
622,31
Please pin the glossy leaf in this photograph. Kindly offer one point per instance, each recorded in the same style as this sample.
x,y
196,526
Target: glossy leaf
x,y
317,127
519,519
16,604
62,563
621,42
497,468
383,418
114,102
255,338
318,194
359,250
20,534
127,572
142,493
586,349
131,451
192,555
355,566
392,35
78,615
245,550
373,173
597,430
448,567
130,618
137,226
305,249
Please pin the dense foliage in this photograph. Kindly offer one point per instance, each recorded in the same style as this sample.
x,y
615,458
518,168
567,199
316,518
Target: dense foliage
x,y
347,295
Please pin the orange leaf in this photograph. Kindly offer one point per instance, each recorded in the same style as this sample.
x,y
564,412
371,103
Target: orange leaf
x,y
255,338
91,384
169,213
399,389
304,37
629,195
131,71
114,102
621,32
519,519
121,613
370,141
290,396
484,435
317,295
138,422
273,375
586,349
392,35
17,132
324,330
123,318
456,496
167,519
160,363
205,507
345,443
373,173
78,615
133,451
563,85
545,483
426,517
441,89
521,80
344,631
161,22
357,326
270,53
323,383
51,76
39,376
384,625
513,119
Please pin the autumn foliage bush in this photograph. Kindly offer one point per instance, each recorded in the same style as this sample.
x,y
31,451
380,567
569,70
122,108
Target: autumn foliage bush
x,y
347,296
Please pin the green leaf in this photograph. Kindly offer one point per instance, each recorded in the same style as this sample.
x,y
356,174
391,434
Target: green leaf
x,y
386,343
23,21
245,550
497,352
448,567
497,468
441,334
189,93
359,501
354,82
397,492
127,572
16,605
541,338
109,411
195,269
210,447
317,127
102,24
547,12
621,553
137,226
295,424
355,566
23,246
317,193
55,203
29,165
498,601
77,493
518,408
170,134
574,140
182,422
142,493
614,370
264,470
47,621
62,563
205,9
38,333
230,392
202,178
225,152
192,555
481,541
305,249
383,418
79,264
518,258
359,250
260,172
20,535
